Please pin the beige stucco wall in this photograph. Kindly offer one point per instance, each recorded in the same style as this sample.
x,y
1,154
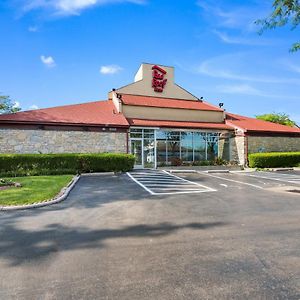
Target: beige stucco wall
x,y
174,114
143,85
52,141
273,144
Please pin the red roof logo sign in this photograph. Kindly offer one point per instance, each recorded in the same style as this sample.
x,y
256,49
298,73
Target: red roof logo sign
x,y
158,79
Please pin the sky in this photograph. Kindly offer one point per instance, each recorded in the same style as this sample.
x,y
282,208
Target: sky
x,y
59,52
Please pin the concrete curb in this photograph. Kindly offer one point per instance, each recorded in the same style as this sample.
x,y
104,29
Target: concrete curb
x,y
181,171
282,169
61,197
97,174
197,171
217,171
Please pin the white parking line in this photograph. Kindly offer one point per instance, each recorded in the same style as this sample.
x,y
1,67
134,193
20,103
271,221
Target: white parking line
x,y
232,180
164,183
289,178
148,190
189,181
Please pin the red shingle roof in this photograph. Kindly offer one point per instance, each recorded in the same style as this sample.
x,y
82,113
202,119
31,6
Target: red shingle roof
x,y
177,124
102,113
91,113
255,125
167,103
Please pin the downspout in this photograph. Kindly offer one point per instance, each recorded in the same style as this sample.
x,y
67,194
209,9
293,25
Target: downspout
x,y
127,143
246,150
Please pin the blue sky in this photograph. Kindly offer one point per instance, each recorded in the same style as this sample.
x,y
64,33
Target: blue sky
x,y
56,52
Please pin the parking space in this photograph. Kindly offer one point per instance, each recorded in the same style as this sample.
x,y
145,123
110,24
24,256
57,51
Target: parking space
x,y
292,177
268,181
112,239
164,183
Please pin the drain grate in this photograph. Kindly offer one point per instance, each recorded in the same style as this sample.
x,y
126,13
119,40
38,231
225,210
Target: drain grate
x,y
294,191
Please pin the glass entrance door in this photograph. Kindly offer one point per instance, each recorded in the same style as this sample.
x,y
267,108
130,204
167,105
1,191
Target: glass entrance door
x,y
137,151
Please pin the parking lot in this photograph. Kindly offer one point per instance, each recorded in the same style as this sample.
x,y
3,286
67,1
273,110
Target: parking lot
x,y
158,235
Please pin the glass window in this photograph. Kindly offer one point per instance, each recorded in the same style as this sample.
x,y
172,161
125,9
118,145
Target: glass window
x,y
187,146
173,135
161,135
212,140
161,152
149,157
173,148
199,146
136,133
148,134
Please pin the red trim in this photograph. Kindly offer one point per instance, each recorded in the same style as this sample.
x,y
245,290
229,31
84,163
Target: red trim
x,y
160,102
177,124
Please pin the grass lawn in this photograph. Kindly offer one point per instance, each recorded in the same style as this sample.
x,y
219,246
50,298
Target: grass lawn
x,y
34,189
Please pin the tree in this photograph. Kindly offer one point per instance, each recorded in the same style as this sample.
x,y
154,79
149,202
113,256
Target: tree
x,y
7,105
285,12
279,118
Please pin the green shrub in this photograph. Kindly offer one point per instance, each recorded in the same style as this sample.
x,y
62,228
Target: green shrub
x,y
176,161
203,163
56,164
274,159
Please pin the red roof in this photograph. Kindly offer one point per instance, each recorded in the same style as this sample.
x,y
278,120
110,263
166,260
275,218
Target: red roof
x,y
102,113
167,103
177,124
252,124
91,113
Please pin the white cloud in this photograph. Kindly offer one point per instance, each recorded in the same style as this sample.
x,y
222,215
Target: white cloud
x,y
229,66
33,107
33,29
70,7
48,61
245,89
239,89
224,37
293,67
16,104
110,69
240,17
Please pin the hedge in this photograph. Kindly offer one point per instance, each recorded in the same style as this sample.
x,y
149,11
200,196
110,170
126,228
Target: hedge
x,y
56,164
274,159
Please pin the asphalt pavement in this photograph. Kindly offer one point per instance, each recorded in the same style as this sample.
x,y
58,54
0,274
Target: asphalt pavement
x,y
112,239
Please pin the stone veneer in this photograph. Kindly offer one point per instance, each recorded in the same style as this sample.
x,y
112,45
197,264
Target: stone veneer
x,y
57,141
273,144
237,149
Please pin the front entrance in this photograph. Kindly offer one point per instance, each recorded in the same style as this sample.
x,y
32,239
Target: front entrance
x,y
166,147
137,151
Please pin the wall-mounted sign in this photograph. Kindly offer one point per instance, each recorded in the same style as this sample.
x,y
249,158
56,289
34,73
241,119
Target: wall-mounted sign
x,y
158,79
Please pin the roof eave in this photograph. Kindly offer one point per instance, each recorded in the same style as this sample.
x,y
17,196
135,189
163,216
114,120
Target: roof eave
x,y
62,124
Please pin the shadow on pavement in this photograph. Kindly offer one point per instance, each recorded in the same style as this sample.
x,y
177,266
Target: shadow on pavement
x,y
23,246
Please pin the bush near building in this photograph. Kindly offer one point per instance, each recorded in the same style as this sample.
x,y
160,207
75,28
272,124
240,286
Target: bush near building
x,y
57,164
274,159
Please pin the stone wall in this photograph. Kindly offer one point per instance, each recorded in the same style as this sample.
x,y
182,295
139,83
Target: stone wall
x,y
273,144
237,149
57,141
